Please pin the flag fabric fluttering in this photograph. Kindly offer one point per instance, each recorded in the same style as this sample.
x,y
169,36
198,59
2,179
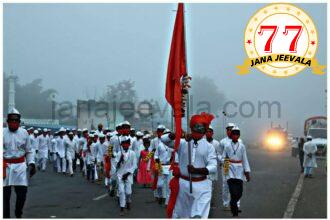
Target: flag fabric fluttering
x,y
174,93
176,69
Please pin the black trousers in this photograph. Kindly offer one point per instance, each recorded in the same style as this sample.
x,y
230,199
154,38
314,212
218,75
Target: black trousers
x,y
20,200
74,164
90,172
235,189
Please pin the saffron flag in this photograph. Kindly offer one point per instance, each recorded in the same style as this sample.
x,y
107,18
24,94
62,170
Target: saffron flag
x,y
175,70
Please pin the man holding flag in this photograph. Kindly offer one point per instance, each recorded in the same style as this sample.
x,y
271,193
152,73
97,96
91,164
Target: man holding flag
x,y
191,190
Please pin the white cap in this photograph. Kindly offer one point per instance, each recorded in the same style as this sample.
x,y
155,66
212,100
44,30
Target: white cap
x,y
39,129
73,129
125,123
210,127
230,125
35,132
62,129
101,135
109,134
29,129
124,138
235,128
45,129
79,130
147,136
132,129
161,127
309,137
85,129
167,130
70,133
91,135
13,111
139,133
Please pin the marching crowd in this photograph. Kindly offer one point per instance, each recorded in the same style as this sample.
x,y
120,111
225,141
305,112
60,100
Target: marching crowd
x,y
182,178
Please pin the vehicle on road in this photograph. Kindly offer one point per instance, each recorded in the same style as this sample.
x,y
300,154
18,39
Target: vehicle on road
x,y
317,128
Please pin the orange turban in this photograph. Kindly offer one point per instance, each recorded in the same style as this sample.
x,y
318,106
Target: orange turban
x,y
204,118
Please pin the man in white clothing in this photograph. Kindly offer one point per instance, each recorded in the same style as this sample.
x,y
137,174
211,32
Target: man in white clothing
x,y
34,141
195,204
126,161
43,150
225,189
17,153
153,146
310,150
70,148
215,144
236,168
60,152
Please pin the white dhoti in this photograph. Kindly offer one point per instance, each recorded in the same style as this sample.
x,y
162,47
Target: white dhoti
x,y
196,204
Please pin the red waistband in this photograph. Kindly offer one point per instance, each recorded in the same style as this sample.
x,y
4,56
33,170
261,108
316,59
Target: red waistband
x,y
194,179
235,161
14,160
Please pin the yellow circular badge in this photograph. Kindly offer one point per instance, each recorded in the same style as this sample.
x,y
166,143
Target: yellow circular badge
x,y
280,40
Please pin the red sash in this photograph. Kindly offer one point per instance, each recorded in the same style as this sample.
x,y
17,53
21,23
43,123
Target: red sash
x,y
13,160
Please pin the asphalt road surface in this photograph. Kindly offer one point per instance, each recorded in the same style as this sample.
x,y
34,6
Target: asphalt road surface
x,y
274,179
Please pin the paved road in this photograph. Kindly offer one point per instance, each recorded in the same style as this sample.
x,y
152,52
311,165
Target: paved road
x,y
274,179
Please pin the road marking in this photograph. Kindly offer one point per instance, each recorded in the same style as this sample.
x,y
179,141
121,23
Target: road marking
x,y
100,197
294,198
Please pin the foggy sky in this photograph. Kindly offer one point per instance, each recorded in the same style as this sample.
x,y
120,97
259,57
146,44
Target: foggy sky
x,y
78,49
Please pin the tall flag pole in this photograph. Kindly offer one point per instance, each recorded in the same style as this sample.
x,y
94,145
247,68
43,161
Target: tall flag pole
x,y
177,79
176,93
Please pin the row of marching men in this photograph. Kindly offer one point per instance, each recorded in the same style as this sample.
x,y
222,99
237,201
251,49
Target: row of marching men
x,y
154,163
123,156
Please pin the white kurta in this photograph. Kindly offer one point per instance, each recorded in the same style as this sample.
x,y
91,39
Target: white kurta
x,y
60,148
115,141
236,152
70,146
203,155
101,151
34,143
127,166
309,148
15,145
136,147
43,146
89,154
163,153
216,146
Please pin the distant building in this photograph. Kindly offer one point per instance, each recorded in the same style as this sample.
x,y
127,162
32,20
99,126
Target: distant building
x,y
90,113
